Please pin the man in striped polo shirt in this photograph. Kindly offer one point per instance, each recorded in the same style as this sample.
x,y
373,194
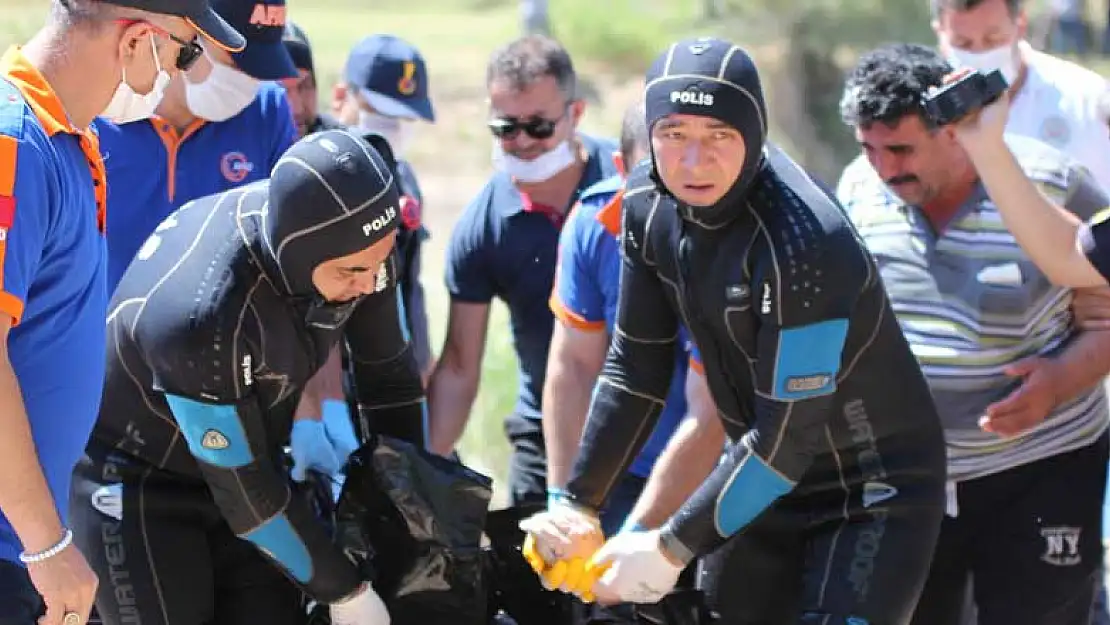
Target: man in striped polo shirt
x,y
1016,385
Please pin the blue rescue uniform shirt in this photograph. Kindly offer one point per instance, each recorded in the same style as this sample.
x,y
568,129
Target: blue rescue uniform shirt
x,y
52,260
587,283
153,169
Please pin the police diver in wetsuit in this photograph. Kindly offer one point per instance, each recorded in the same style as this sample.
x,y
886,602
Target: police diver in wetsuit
x,y
832,486
182,503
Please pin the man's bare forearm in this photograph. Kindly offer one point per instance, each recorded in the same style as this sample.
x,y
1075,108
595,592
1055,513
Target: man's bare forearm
x,y
1045,231
690,455
451,394
566,400
1082,365
25,497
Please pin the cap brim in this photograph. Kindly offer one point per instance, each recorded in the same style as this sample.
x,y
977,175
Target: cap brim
x,y
215,29
420,109
266,61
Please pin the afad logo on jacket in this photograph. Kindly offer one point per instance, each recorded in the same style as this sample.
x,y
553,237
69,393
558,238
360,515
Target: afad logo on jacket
x,y
235,167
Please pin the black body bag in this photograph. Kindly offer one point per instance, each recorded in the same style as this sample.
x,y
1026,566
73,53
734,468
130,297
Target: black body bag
x,y
414,521
515,594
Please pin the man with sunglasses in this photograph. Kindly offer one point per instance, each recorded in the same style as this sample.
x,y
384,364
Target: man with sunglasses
x,y
52,259
504,245
223,123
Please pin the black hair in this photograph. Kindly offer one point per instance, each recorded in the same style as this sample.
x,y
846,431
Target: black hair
x,y
887,83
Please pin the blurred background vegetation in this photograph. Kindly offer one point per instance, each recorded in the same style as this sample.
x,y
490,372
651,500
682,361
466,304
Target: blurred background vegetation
x,y
802,47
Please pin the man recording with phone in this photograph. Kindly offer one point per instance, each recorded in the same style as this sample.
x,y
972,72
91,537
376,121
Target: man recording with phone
x,y
1016,383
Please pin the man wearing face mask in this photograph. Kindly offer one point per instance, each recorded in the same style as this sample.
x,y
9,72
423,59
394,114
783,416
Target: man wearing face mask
x,y
233,303
386,92
52,258
832,486
220,125
504,245
389,73
1053,100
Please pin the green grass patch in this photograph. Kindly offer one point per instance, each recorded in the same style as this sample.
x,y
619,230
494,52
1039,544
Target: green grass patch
x,y
624,35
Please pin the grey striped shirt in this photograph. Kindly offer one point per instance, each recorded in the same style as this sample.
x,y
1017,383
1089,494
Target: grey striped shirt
x,y
970,303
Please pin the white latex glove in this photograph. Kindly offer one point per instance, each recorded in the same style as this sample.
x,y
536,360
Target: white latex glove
x,y
637,569
364,608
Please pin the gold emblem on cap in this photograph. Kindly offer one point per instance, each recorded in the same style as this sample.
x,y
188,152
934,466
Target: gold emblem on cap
x,y
407,84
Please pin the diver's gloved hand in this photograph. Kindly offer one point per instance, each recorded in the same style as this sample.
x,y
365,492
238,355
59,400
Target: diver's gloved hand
x,y
364,607
340,428
559,543
633,567
313,450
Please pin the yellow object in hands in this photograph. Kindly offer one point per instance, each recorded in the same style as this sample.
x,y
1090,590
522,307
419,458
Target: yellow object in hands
x,y
532,556
591,574
554,575
567,575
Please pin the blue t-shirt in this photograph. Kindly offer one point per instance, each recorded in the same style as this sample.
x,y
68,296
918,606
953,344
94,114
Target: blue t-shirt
x,y
52,259
503,247
587,285
153,169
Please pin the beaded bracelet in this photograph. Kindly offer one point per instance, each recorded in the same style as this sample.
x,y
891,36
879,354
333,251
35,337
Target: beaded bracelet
x,y
32,558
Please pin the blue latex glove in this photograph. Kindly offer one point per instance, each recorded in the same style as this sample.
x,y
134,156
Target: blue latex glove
x,y
340,428
341,433
313,450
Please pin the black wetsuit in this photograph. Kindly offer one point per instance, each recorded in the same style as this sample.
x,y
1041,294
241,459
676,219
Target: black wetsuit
x,y
183,495
833,483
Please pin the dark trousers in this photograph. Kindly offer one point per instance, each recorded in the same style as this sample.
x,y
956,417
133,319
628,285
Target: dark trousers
x,y
20,603
1030,538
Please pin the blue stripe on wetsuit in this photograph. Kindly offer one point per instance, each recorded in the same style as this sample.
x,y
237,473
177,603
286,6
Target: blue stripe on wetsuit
x,y
809,359
807,363
216,436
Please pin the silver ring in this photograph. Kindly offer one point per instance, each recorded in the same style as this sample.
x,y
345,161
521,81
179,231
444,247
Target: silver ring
x,y
71,618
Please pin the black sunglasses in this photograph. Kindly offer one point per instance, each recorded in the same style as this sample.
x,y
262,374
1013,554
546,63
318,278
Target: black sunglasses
x,y
536,127
187,54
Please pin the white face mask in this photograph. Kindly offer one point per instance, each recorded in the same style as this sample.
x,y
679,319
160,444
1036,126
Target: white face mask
x,y
541,168
128,106
1004,58
223,94
396,131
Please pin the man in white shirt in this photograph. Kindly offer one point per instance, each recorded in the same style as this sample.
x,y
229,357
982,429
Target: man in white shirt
x,y
1052,100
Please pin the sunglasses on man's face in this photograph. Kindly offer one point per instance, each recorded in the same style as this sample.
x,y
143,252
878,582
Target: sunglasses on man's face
x,y
187,53
536,127
506,128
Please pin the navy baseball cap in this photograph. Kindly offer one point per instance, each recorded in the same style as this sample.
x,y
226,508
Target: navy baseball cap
x,y
390,74
198,13
300,50
262,23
